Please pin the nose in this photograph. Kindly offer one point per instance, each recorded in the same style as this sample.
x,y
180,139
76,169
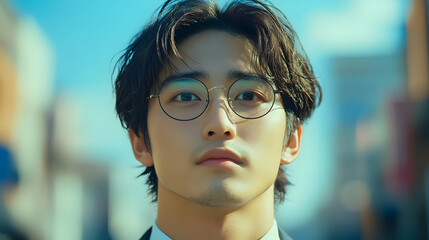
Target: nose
x,y
218,122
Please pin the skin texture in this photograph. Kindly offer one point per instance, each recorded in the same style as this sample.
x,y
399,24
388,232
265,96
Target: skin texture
x,y
202,202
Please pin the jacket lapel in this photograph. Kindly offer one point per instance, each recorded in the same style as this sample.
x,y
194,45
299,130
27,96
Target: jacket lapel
x,y
146,235
283,235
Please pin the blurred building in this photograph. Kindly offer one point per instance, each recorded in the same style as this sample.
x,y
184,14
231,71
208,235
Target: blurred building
x,y
8,109
58,191
382,140
26,78
8,74
367,88
418,110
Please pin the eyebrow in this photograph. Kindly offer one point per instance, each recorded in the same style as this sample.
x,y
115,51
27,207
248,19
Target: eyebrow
x,y
192,74
232,75
236,74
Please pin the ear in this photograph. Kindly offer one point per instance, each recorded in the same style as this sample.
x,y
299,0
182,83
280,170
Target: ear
x,y
291,151
139,149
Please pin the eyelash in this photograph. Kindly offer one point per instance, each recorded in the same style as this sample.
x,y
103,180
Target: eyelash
x,y
175,98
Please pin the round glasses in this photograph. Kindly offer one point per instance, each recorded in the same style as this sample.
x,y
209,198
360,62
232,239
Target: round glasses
x,y
185,99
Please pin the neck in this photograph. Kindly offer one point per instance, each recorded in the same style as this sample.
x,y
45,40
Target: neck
x,y
181,218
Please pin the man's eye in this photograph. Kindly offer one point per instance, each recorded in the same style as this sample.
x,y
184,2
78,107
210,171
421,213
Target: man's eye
x,y
186,97
246,96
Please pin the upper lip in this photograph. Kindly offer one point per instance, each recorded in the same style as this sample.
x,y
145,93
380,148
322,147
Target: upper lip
x,y
220,153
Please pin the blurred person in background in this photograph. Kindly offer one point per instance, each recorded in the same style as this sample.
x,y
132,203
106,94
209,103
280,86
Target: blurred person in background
x,y
214,101
8,183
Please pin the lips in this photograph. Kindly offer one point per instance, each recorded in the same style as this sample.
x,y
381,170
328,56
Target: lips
x,y
220,157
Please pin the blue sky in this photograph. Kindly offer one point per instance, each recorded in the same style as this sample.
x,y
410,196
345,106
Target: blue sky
x,y
87,35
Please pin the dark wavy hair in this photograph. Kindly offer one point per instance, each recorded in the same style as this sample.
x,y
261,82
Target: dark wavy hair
x,y
278,56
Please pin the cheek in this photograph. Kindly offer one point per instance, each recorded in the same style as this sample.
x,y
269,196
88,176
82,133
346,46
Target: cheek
x,y
266,135
168,138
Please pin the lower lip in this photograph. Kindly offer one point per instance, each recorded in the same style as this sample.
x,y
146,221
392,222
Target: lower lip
x,y
219,162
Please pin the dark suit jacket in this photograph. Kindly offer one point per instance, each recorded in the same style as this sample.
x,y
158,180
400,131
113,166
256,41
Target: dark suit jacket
x,y
282,235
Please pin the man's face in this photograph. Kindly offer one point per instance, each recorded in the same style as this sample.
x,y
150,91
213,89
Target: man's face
x,y
179,148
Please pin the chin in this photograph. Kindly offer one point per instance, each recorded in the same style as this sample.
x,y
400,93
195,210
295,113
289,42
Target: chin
x,y
219,197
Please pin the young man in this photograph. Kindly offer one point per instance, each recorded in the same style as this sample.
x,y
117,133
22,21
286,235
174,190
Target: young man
x,y
214,101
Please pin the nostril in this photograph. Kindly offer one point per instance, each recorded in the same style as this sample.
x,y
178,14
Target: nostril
x,y
226,133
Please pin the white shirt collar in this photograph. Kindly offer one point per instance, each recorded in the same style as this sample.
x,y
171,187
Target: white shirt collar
x,y
157,234
273,233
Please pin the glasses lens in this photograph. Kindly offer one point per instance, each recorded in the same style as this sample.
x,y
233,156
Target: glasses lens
x,y
183,99
251,97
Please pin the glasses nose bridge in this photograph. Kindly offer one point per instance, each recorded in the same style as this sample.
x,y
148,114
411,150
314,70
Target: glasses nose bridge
x,y
218,87
226,104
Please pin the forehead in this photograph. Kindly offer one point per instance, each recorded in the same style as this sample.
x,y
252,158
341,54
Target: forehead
x,y
213,52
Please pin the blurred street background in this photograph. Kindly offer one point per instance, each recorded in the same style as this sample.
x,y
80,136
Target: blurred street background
x,y
66,166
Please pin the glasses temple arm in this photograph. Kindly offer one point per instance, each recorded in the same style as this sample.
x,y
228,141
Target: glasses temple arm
x,y
152,96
